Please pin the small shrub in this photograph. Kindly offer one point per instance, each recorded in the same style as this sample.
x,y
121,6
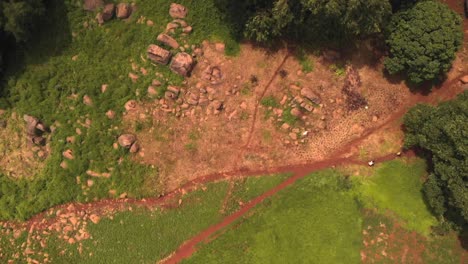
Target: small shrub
x,y
269,101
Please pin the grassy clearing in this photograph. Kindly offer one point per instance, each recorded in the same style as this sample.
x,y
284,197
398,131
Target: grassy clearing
x,y
44,81
325,218
397,186
315,221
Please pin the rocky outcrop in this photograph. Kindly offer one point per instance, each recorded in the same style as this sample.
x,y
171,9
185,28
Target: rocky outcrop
x,y
168,40
92,5
124,10
158,54
182,64
178,11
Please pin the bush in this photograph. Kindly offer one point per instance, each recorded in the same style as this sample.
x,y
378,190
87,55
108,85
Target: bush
x,y
423,41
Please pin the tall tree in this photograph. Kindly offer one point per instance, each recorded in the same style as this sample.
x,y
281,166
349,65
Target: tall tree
x,y
442,132
330,20
423,41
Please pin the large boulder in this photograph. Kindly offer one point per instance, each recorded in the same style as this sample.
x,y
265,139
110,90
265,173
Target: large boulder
x,y
168,40
126,140
158,54
182,64
108,12
124,10
92,5
178,11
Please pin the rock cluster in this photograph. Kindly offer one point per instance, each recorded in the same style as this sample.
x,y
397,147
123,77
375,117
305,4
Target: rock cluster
x,y
35,130
182,63
121,10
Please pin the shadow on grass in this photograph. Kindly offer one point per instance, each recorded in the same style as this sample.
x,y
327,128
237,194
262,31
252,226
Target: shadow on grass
x,y
49,37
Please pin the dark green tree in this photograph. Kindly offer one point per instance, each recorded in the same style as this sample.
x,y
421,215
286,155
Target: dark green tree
x,y
442,133
423,41
265,20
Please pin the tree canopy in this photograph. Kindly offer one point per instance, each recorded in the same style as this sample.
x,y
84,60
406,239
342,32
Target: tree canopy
x,y
443,133
16,20
423,41
264,20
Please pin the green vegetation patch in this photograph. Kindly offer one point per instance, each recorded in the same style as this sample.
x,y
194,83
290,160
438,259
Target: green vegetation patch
x,y
397,186
315,221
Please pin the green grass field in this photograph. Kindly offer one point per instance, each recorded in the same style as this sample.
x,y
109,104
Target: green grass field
x,y
397,187
323,218
315,221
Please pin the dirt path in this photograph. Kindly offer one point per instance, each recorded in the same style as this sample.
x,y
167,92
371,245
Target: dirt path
x,y
259,99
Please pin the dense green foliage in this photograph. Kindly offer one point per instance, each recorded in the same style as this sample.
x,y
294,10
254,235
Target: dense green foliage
x,y
442,132
17,18
423,41
264,20
396,187
46,82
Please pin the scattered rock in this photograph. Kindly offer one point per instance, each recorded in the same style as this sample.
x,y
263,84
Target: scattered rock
x,y
87,100
130,105
311,95
40,141
108,12
296,112
212,74
110,114
285,126
158,54
217,105
92,5
123,10
182,64
293,136
68,154
187,29
135,147
64,165
168,40
31,123
149,23
220,47
133,76
173,89
94,218
71,139
156,83
464,79
104,88
152,91
375,118
126,140
178,11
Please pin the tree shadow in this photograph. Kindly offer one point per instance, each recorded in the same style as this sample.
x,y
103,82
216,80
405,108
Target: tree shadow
x,y
49,37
